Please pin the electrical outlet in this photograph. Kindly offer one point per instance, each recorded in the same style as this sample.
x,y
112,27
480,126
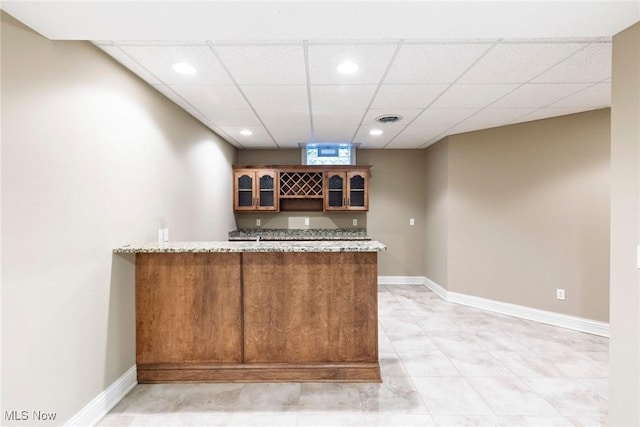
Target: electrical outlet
x,y
258,222
560,294
412,221
355,221
306,221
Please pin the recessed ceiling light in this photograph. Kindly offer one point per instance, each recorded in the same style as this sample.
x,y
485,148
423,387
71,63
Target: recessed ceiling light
x,y
183,68
347,67
246,132
375,132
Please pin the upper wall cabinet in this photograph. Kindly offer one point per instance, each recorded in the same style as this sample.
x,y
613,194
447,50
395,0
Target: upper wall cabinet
x,y
346,191
301,188
255,190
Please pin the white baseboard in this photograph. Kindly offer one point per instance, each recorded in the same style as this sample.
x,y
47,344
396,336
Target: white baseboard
x,y
99,407
556,319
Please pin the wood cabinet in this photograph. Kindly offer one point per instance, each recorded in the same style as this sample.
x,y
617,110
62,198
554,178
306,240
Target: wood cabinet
x,y
255,190
346,191
312,188
310,307
188,308
257,317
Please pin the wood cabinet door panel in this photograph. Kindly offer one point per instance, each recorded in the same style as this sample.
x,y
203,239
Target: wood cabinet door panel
x,y
310,307
188,308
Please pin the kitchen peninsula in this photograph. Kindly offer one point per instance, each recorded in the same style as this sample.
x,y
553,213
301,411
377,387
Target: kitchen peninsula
x,y
257,311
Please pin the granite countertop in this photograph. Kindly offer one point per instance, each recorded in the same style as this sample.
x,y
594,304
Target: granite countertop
x,y
262,246
247,234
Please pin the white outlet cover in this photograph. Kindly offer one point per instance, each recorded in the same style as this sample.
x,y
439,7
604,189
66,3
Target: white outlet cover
x,y
306,221
258,222
560,294
355,221
412,221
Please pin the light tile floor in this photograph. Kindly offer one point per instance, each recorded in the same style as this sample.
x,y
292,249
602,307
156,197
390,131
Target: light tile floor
x,y
442,364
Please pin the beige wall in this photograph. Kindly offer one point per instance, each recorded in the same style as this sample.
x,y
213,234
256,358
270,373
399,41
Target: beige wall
x,y
92,158
437,212
528,212
396,193
624,362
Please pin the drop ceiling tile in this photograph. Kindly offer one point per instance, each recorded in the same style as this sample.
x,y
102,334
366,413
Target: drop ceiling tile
x,y
224,135
202,118
176,98
433,63
370,145
272,117
290,134
406,96
159,60
412,137
231,117
596,96
492,117
545,113
319,42
212,97
364,137
340,118
268,64
161,42
538,95
592,64
469,126
472,95
342,97
285,97
130,64
335,133
406,114
372,59
434,121
259,139
518,62
287,127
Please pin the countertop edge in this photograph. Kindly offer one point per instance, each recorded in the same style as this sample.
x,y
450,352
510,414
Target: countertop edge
x,y
262,246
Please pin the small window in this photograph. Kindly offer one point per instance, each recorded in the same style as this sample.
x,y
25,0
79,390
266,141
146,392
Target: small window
x,y
328,154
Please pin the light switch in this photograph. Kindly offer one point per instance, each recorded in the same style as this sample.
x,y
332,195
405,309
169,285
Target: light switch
x,y
412,221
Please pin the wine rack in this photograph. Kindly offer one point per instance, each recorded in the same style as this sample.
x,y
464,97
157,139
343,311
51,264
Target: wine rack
x,y
304,185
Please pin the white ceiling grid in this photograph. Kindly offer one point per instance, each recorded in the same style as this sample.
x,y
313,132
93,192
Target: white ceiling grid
x,y
289,92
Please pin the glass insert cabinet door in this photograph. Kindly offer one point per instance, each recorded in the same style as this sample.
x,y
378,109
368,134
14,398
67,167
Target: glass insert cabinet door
x,y
266,190
357,191
335,192
244,198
